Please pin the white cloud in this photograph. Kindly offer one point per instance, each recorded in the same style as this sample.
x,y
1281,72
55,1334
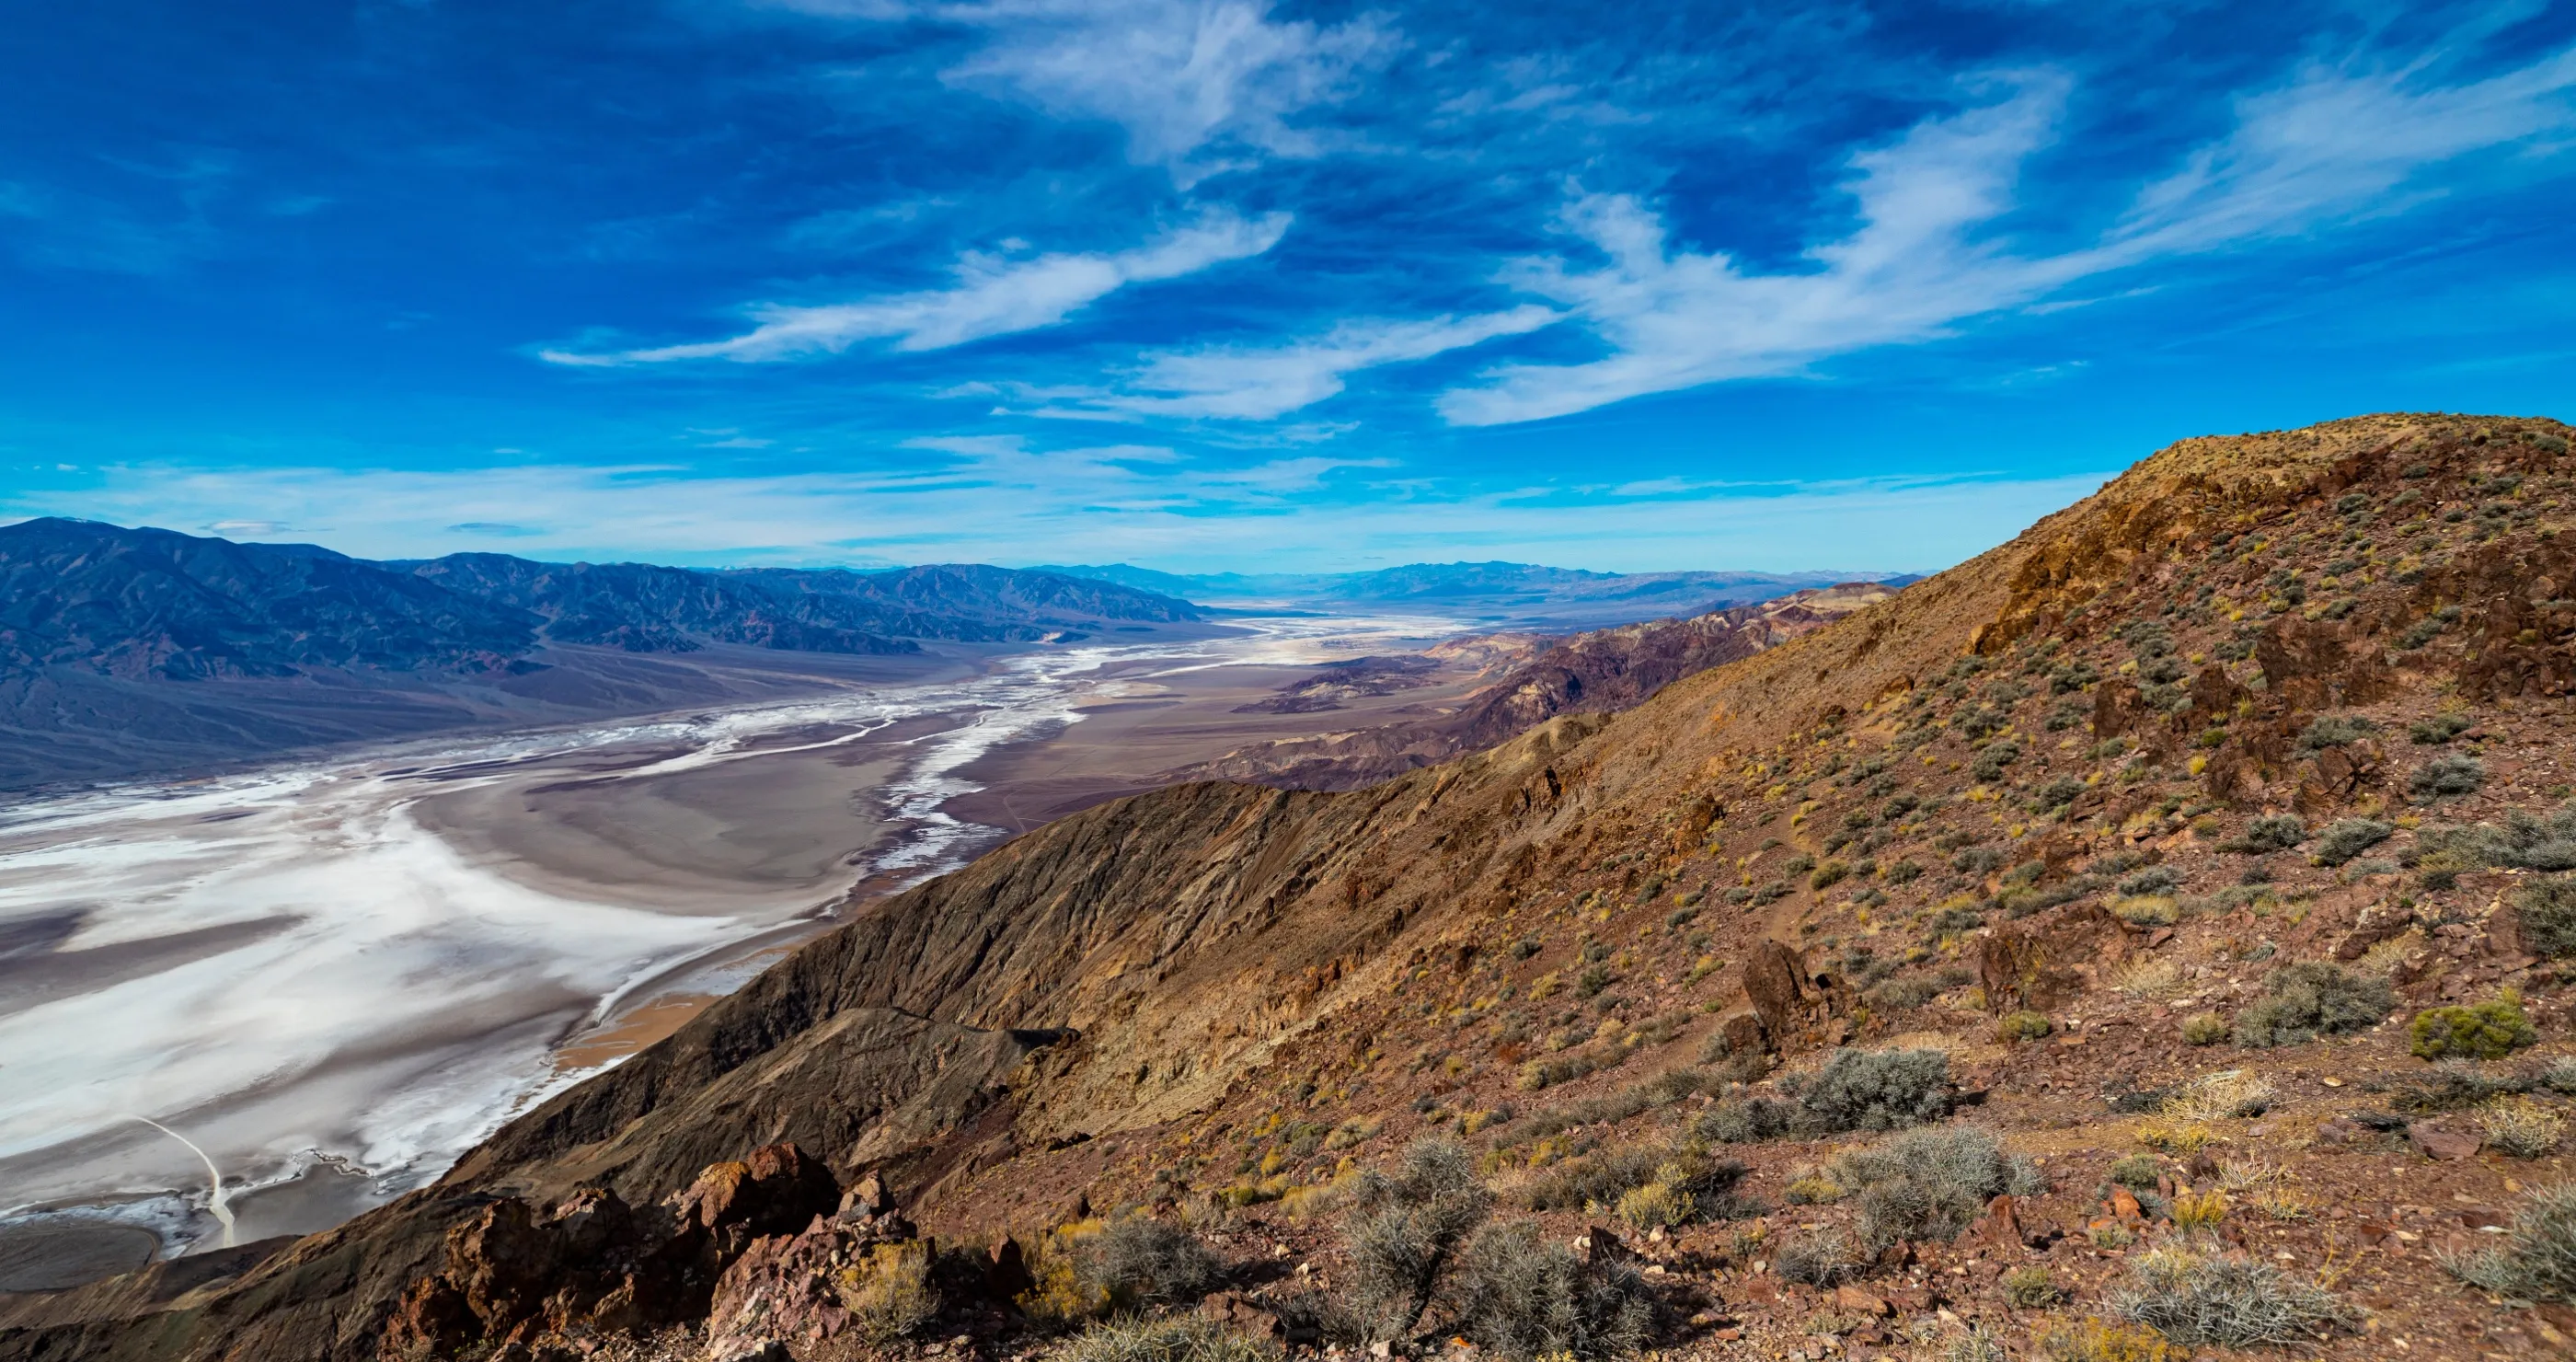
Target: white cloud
x,y
1263,383
1180,76
993,499
2332,146
993,296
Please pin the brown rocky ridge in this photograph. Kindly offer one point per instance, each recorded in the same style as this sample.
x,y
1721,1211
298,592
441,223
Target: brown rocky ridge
x,y
2032,960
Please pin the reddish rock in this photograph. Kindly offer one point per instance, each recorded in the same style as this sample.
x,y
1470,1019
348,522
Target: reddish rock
x,y
1237,1314
1848,1297
2440,1142
775,1191
1771,981
2124,1205
2001,1224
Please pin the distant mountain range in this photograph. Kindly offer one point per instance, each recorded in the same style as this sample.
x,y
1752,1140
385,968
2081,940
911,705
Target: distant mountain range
x,y
1518,592
111,640
147,602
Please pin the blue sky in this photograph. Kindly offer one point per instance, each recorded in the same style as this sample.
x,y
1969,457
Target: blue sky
x,y
1208,284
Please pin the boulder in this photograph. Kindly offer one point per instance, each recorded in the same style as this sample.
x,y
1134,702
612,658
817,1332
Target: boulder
x,y
2436,1141
775,1191
1236,1313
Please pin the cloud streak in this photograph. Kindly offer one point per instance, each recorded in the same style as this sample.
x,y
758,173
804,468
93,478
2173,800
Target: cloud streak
x,y
2332,146
992,296
1262,383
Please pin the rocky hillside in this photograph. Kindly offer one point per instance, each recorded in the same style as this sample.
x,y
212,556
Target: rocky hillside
x,y
2053,950
1599,672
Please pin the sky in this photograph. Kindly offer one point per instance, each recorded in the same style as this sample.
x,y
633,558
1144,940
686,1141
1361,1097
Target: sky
x,y
1230,285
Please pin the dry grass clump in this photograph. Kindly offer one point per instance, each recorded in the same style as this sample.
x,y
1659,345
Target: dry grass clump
x,y
2229,1093
2521,1127
2095,1341
1097,1267
2205,1028
2195,1211
2148,979
1178,1338
2224,1301
1825,1258
2181,1139
2537,1260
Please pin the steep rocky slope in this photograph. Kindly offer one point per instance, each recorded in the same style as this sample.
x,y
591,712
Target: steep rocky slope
x,y
1599,672
2054,785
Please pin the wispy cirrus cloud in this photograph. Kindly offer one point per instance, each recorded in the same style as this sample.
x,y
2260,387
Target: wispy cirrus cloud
x,y
1262,383
2331,146
992,296
1182,77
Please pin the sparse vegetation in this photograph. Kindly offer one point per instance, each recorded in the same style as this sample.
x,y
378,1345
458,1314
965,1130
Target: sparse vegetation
x,y
1823,1258
2537,1260
2031,1288
2224,1301
2452,773
2309,999
1097,1267
1524,1297
1177,1338
2547,910
1856,1090
2019,1026
2094,1341
2521,1128
888,1292
2346,838
2205,1028
1405,1232
1929,1184
2488,1030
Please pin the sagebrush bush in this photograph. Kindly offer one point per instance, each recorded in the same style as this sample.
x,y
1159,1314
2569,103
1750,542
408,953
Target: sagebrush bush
x,y
2224,1301
2031,1288
2309,999
2547,909
1856,1090
2335,730
1928,1184
1824,1258
1522,1296
2135,1171
2537,1260
1097,1267
2204,1028
2488,1030
1178,1338
1405,1231
2346,838
2452,773
2275,832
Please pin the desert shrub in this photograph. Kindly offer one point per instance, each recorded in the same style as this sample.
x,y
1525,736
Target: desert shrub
x,y
2560,1075
2530,842
1178,1338
2150,910
2439,729
2274,832
1896,995
2488,1030
2227,1302
2537,1260
1990,763
1877,1090
1974,1344
1824,1258
2452,773
1591,981
2135,1171
2019,1026
2155,879
2204,1028
1856,1090
888,1292
2198,1210
2521,1127
1522,1296
2031,1288
1798,864
2547,909
1928,1184
2456,1087
1096,1267
2346,838
2094,1341
1405,1233
2335,730
2309,999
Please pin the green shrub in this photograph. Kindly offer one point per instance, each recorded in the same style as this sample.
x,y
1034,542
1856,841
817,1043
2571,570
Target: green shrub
x,y
2204,1028
2547,909
2488,1030
1524,1297
2031,1288
2537,1260
1178,1338
1856,1090
2439,729
2309,999
1405,1232
2226,1302
2135,1171
1829,874
2452,773
2020,1026
2274,832
2335,730
2346,838
1929,1184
